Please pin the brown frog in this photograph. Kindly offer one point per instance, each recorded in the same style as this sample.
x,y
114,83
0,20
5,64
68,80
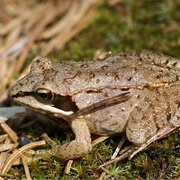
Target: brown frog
x,y
133,92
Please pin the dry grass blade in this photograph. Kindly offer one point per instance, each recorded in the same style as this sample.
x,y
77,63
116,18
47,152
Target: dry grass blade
x,y
21,19
26,169
118,147
5,147
9,162
4,155
68,167
12,135
99,140
3,137
76,19
36,33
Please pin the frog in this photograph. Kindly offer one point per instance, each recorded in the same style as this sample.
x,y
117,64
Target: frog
x,y
135,93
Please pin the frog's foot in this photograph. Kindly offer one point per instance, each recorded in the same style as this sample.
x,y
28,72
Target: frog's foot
x,y
76,148
71,150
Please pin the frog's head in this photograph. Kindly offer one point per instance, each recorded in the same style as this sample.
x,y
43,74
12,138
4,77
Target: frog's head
x,y
40,92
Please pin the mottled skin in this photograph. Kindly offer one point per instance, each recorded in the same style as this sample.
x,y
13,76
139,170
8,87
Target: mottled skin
x,y
59,89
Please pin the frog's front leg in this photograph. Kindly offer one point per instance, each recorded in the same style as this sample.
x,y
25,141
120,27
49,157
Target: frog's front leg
x,y
79,147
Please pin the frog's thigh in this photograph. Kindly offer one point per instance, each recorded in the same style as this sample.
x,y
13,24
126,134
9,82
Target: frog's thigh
x,y
143,123
78,147
151,121
168,128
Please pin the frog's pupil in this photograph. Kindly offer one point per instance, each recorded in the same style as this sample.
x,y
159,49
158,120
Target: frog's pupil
x,y
44,95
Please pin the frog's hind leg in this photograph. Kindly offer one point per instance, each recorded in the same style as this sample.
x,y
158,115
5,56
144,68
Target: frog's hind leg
x,y
159,135
152,121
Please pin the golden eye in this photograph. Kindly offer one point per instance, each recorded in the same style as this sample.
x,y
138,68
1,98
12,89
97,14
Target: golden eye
x,y
44,95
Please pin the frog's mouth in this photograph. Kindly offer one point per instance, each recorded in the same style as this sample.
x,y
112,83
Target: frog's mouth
x,y
59,106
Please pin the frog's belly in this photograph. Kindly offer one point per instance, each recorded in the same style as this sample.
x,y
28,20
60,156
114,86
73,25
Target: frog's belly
x,y
109,121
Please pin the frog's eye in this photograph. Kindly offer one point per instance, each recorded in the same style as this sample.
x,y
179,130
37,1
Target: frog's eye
x,y
44,95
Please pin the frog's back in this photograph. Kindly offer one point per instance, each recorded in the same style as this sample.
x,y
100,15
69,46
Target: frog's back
x,y
124,70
